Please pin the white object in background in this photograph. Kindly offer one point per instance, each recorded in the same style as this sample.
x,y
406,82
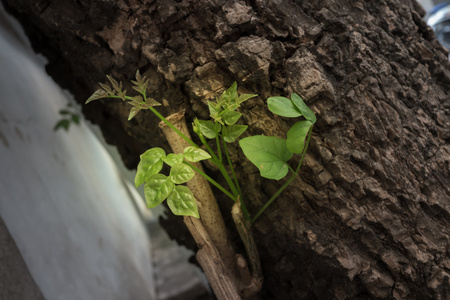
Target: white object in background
x,y
61,196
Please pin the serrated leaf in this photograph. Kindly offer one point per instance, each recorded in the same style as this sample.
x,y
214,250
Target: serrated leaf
x,y
269,154
133,111
151,102
231,133
181,173
208,128
151,163
157,189
182,202
194,154
296,136
173,159
231,117
107,89
304,109
98,94
115,84
283,107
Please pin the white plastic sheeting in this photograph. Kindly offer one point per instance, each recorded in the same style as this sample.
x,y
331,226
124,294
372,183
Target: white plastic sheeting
x,y
61,196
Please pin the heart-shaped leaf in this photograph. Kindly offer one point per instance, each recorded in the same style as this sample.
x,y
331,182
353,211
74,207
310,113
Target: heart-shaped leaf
x,y
296,136
181,173
283,107
151,163
269,154
231,117
231,133
157,189
182,202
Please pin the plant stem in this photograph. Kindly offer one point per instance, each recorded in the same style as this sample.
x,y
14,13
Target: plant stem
x,y
294,175
227,154
182,135
219,151
285,185
304,150
212,181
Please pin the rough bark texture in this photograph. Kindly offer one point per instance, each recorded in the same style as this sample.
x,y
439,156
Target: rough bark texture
x,y
369,217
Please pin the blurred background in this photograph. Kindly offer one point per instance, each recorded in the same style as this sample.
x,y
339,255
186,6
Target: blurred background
x,y
72,226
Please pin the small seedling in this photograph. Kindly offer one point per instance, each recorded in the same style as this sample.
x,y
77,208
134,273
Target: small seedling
x,y
269,154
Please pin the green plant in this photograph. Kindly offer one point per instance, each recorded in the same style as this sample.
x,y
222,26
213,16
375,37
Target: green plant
x,y
68,117
269,154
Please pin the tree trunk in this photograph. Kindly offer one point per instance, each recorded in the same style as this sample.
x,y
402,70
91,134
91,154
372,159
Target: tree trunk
x,y
369,217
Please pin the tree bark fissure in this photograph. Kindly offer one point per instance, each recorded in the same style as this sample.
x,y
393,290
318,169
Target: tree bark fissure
x,y
369,216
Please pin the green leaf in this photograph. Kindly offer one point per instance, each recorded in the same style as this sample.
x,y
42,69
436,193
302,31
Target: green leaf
x,y
182,202
296,136
304,109
214,111
245,97
98,94
230,96
157,189
133,111
208,128
115,84
231,117
64,112
283,107
62,124
75,118
173,159
107,89
181,173
231,133
194,154
269,154
151,163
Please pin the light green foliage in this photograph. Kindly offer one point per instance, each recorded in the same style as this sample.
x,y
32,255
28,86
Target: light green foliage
x,y
194,154
150,164
296,136
182,202
269,154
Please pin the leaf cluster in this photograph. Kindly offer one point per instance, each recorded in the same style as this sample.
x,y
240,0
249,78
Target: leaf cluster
x,y
159,187
224,113
68,117
270,154
137,102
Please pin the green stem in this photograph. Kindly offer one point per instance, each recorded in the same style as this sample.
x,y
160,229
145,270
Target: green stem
x,y
212,181
219,151
227,154
274,196
304,150
294,175
214,157
161,117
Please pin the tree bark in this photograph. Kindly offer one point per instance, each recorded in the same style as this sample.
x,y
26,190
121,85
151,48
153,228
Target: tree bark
x,y
369,217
